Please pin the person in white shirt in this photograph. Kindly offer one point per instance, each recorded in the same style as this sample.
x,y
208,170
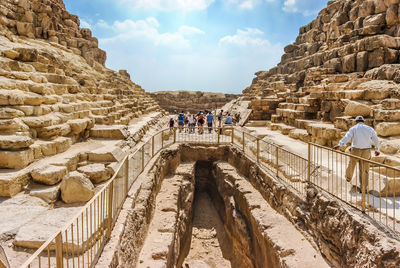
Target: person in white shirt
x,y
362,137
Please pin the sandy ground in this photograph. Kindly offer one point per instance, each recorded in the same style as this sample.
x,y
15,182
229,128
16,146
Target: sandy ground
x,y
210,246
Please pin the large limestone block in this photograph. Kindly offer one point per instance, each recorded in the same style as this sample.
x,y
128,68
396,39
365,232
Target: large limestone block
x,y
96,172
9,113
49,194
392,188
25,29
387,115
16,159
11,97
78,125
392,15
55,130
13,182
49,174
41,121
76,188
14,142
109,132
378,19
354,108
386,129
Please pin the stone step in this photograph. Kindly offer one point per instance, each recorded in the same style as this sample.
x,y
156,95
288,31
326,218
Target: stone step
x,y
109,132
14,142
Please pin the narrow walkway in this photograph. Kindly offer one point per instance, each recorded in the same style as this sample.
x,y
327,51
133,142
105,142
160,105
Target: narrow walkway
x,y
210,246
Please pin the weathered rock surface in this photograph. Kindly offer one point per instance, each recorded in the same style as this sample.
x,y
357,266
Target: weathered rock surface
x,y
343,64
191,101
49,174
263,209
47,194
96,172
76,188
53,83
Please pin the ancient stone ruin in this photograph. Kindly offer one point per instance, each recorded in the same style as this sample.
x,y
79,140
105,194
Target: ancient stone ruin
x,y
344,63
90,176
191,101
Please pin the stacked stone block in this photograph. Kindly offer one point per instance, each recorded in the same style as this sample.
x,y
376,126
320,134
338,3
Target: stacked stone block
x,y
344,63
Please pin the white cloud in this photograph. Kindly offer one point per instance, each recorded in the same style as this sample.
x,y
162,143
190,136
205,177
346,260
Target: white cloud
x,y
85,24
251,37
246,4
185,5
305,7
147,31
188,30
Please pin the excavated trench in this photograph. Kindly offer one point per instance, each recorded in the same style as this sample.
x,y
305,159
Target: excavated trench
x,y
206,206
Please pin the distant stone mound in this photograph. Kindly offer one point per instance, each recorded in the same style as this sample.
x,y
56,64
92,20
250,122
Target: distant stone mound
x,y
344,63
54,88
191,101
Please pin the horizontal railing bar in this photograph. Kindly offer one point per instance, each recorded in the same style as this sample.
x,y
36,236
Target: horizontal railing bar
x,y
283,167
356,157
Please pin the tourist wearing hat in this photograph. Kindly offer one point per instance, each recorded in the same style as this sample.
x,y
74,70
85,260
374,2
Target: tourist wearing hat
x,y
362,137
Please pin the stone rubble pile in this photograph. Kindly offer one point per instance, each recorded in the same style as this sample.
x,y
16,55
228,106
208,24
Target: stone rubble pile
x,y
344,63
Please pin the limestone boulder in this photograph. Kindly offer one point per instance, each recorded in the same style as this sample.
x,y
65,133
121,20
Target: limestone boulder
x,y
78,125
392,15
392,188
96,172
14,142
76,188
9,113
49,174
354,108
387,129
16,159
55,130
49,194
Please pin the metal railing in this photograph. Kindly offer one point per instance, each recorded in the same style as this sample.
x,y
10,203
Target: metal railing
x,y
80,242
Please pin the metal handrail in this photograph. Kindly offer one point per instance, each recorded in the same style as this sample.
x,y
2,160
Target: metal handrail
x,y
283,173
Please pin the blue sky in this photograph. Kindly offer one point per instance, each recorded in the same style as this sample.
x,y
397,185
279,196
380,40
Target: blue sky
x,y
208,45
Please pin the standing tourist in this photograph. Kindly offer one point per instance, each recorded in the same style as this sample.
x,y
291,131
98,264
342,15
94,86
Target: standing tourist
x,y
171,124
210,119
200,122
362,137
187,122
192,123
219,117
180,121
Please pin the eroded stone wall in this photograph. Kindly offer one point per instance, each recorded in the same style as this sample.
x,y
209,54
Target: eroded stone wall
x,y
346,237
55,87
191,101
343,64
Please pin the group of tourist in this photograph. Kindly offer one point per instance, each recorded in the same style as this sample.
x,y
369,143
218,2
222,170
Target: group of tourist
x,y
187,122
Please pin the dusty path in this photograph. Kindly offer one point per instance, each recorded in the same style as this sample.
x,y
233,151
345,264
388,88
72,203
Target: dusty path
x,y
210,246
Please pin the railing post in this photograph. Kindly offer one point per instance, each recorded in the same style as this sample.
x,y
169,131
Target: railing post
x,y
219,133
110,206
363,186
258,150
174,135
233,135
243,142
277,161
126,175
309,163
143,157
152,146
59,253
